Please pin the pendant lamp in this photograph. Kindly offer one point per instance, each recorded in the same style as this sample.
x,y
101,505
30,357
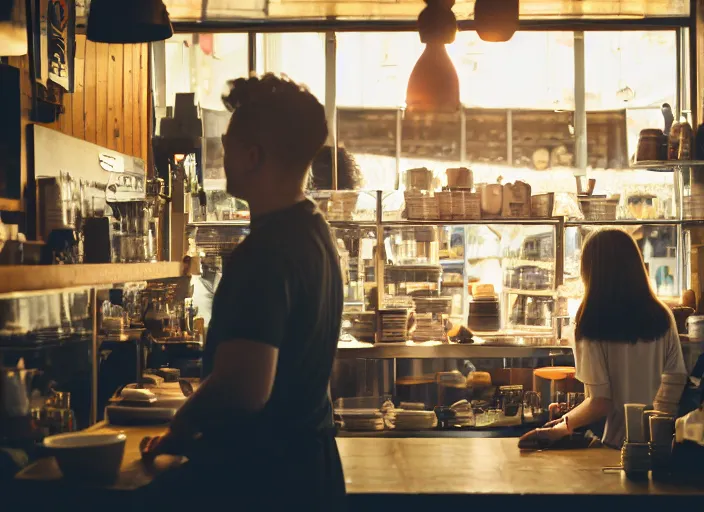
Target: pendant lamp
x,y
496,20
128,21
434,85
13,28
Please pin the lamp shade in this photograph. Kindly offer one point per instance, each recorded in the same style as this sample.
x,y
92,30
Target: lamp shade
x,y
496,20
128,21
433,85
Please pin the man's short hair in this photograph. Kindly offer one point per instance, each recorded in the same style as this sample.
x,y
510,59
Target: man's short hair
x,y
279,115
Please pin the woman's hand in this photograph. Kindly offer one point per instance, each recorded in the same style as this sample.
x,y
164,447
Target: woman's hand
x,y
542,438
554,423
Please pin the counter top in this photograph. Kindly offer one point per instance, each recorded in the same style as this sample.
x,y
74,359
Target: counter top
x,y
399,466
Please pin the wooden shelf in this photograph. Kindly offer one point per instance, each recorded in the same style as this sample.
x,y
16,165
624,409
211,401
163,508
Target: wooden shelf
x,y
412,350
20,279
10,205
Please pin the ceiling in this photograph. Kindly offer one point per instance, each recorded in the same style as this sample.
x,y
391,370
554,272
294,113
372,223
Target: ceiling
x,y
229,10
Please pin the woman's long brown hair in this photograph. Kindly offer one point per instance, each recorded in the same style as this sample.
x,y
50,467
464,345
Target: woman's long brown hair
x,y
619,304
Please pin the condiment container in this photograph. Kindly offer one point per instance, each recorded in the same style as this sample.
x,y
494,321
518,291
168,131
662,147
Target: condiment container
x,y
635,431
492,199
695,327
459,177
652,145
669,393
673,143
419,179
685,147
516,200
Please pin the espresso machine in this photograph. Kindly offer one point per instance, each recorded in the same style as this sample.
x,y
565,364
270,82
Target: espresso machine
x,y
151,343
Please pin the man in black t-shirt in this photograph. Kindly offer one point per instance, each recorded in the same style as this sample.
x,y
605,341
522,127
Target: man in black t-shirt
x,y
259,428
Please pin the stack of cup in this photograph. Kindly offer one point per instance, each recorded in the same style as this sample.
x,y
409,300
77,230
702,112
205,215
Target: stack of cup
x,y
662,430
635,454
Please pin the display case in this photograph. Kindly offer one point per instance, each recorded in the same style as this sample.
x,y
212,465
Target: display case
x,y
468,311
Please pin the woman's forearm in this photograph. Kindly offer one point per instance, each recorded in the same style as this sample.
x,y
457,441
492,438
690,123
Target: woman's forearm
x,y
589,411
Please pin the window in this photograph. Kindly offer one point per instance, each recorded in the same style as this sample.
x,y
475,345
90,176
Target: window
x,y
300,56
532,70
202,64
635,71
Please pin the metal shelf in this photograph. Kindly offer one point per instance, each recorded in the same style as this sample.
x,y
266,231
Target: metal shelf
x,y
526,221
532,293
411,350
624,222
352,224
666,165
21,280
219,223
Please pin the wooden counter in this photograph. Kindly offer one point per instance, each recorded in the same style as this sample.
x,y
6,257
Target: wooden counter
x,y
414,467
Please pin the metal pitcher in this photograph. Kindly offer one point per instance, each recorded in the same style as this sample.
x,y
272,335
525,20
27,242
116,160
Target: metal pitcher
x,y
15,390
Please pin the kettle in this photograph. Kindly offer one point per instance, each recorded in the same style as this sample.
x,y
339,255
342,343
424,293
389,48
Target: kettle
x,y
15,411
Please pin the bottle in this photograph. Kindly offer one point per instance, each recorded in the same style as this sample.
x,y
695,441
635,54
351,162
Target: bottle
x,y
685,146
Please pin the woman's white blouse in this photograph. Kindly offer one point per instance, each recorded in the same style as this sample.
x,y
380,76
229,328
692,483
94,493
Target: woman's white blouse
x,y
626,373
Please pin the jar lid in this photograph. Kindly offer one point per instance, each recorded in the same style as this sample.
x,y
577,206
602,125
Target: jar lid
x,y
651,132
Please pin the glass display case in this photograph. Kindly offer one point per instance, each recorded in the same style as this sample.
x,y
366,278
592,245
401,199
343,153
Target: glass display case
x,y
468,311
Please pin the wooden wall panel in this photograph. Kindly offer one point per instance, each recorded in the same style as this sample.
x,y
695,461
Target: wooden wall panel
x,y
90,97
137,82
78,114
109,80
102,57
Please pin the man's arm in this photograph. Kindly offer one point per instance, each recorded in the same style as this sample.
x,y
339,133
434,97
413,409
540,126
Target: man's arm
x,y
240,384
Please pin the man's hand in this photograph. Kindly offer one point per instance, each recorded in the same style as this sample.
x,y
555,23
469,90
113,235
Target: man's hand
x,y
168,444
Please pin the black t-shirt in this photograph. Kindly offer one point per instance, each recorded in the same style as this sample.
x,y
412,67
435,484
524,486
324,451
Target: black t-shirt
x,y
283,286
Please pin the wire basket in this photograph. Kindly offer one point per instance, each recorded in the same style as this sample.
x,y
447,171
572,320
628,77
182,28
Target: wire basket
x,y
466,205
599,208
421,206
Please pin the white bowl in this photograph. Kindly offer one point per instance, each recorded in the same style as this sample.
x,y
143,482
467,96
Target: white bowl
x,y
88,457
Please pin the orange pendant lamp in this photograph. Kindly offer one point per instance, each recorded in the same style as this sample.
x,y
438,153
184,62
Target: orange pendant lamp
x,y
496,20
434,85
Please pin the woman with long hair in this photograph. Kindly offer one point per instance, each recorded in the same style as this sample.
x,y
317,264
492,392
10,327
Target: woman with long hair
x,y
625,339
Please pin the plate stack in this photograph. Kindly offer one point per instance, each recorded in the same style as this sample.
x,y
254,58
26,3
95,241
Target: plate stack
x,y
429,327
394,325
463,415
484,314
415,420
361,325
435,305
365,420
693,207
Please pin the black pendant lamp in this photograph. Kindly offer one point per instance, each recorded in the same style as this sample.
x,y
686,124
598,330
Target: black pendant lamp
x,y
434,85
496,20
128,21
